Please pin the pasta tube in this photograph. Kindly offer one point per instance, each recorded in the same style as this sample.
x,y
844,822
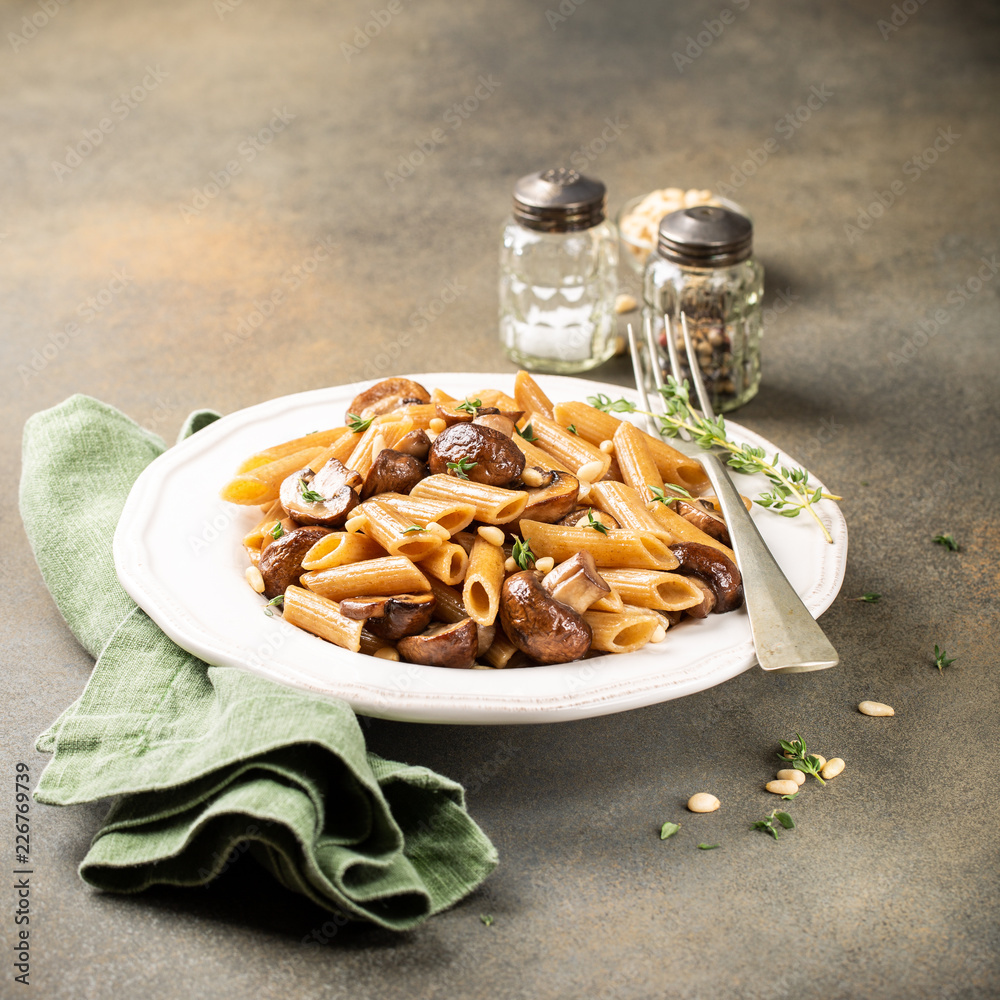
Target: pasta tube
x,y
529,396
653,589
451,515
681,530
448,563
483,580
394,532
493,504
619,547
569,449
318,439
263,484
376,577
533,455
637,467
339,548
620,632
322,617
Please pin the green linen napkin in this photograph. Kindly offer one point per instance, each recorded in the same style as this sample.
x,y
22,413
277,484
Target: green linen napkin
x,y
202,759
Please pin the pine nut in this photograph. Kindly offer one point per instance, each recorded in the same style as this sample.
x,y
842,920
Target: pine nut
x,y
702,802
437,424
378,445
607,447
545,564
490,533
790,774
386,653
659,635
782,787
354,524
875,708
583,491
591,471
440,530
832,768
533,477
255,579
819,757
625,304
510,566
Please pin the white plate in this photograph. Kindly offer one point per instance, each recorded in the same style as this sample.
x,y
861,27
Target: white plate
x,y
178,552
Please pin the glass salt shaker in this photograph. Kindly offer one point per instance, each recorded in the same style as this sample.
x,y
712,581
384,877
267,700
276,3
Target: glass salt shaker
x,y
704,267
558,274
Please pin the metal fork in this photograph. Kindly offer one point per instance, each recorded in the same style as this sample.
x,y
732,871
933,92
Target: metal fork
x,y
785,636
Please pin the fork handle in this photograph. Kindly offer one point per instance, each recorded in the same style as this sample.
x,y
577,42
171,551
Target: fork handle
x,y
785,635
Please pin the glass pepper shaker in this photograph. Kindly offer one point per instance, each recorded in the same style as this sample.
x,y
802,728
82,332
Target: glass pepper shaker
x,y
558,274
704,267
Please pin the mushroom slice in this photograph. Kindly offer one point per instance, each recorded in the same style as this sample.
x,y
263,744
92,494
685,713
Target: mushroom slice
x,y
281,563
702,517
553,502
332,485
486,635
391,618
492,417
416,443
393,472
576,582
485,455
386,396
583,517
715,568
442,645
707,603
544,628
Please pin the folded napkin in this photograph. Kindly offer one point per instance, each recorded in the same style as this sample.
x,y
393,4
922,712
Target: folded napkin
x,y
202,759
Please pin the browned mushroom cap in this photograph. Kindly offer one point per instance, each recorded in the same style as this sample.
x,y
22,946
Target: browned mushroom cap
x,y
583,516
393,472
442,645
455,413
416,443
576,582
333,484
492,417
486,455
539,625
281,563
707,604
391,618
386,396
552,502
715,568
705,518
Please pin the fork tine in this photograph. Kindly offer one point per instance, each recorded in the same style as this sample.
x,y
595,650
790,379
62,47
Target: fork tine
x,y
640,377
675,361
654,355
695,366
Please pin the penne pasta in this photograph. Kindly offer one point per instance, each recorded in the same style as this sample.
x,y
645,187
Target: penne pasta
x,y
448,607
612,601
533,455
447,563
339,548
452,515
376,577
395,533
620,632
653,589
388,432
318,439
569,449
626,505
529,396
493,504
501,651
635,463
263,484
420,413
483,579
680,530
619,547
322,617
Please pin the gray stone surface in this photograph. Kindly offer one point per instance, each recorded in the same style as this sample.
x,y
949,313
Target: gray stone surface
x,y
888,888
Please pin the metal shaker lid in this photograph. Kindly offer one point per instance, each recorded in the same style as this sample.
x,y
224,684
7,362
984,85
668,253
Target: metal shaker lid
x,y
705,236
558,201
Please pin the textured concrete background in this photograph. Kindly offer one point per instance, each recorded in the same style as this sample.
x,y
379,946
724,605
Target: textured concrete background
x,y
888,888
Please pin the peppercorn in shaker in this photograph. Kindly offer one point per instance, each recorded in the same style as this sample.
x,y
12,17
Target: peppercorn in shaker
x,y
704,267
558,263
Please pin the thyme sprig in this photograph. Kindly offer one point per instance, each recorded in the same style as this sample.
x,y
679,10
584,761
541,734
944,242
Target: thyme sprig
x,y
797,752
767,824
522,554
356,424
275,602
310,495
942,659
470,406
461,468
592,522
791,492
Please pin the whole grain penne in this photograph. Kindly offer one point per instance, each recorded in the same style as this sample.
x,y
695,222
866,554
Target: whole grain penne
x,y
610,602
440,396
493,504
501,651
388,433
395,533
317,439
452,515
637,467
447,563
448,607
371,643
420,413
681,530
533,455
322,617
620,632
376,577
568,448
263,484
529,396
339,548
619,547
653,589
627,506
483,580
